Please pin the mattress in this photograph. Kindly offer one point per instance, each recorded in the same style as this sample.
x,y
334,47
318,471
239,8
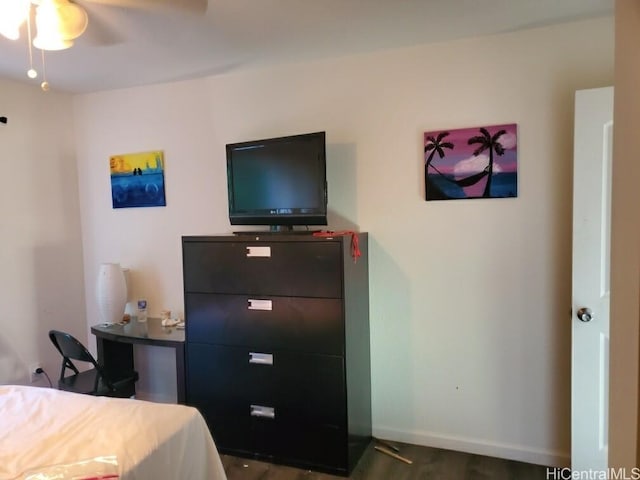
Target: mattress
x,y
40,427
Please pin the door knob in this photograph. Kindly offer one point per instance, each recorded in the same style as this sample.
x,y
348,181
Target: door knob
x,y
585,314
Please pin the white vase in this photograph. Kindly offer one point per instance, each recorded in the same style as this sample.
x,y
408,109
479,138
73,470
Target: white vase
x,y
111,292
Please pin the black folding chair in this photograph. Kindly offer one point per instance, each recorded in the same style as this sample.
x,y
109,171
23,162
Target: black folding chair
x,y
95,381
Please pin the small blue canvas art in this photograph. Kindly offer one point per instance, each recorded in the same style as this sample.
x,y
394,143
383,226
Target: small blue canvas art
x,y
137,180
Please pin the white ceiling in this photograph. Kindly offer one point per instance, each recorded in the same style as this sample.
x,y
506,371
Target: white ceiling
x,y
124,47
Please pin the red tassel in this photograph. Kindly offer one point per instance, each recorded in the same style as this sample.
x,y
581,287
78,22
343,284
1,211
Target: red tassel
x,y
355,247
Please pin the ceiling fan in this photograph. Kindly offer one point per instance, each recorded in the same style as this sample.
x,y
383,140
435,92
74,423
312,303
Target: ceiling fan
x,y
59,22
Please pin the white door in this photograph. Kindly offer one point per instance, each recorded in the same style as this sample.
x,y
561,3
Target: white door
x,y
593,138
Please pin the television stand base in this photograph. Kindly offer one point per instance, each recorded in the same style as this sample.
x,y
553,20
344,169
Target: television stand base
x,y
277,232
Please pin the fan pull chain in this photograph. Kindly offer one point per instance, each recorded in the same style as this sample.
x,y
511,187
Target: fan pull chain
x,y
44,85
31,73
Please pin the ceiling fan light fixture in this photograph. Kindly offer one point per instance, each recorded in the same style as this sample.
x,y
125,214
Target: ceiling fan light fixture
x,y
73,19
13,13
51,43
50,27
12,32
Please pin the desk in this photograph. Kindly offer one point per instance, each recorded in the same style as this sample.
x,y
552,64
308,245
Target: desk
x,y
115,345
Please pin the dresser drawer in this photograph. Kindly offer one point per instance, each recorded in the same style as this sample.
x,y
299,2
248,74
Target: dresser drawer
x,y
305,445
321,447
292,410
298,387
302,269
314,325
309,445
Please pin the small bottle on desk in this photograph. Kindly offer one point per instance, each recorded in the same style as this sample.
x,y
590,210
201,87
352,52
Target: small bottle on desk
x,y
142,311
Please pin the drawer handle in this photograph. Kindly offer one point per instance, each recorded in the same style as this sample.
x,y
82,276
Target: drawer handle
x,y
254,304
263,412
258,252
261,358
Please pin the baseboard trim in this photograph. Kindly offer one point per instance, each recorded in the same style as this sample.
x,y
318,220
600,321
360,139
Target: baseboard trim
x,y
519,453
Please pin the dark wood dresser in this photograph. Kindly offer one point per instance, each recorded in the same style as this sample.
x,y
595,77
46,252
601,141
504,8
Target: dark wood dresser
x,y
277,346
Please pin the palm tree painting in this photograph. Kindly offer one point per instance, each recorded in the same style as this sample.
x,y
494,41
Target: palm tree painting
x,y
478,162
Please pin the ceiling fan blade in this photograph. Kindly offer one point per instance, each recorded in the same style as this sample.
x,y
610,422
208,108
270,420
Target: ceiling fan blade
x,y
191,6
105,26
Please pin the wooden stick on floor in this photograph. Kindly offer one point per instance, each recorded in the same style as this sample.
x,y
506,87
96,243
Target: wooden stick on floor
x,y
387,445
392,454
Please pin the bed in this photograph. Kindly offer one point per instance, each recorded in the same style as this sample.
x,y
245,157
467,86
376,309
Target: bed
x,y
40,427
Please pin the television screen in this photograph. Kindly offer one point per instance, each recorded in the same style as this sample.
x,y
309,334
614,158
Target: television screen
x,y
278,181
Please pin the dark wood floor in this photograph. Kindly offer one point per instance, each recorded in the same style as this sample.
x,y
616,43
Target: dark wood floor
x,y
428,463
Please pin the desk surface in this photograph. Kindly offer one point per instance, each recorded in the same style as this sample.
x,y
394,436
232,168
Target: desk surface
x,y
115,345
150,332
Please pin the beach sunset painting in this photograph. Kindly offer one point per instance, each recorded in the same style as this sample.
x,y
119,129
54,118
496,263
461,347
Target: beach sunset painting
x,y
478,162
137,179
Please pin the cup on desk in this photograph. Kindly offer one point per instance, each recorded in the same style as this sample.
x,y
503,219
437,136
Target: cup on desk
x,y
143,329
165,314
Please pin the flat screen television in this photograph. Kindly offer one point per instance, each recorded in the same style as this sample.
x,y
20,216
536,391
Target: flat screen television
x,y
280,182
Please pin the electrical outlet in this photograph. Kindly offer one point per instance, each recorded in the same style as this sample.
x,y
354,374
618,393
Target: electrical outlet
x,y
34,369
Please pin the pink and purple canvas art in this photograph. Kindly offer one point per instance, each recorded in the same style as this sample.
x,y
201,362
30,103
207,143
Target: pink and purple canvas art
x,y
479,162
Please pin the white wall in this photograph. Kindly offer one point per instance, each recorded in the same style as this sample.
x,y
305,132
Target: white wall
x,y
470,300
41,262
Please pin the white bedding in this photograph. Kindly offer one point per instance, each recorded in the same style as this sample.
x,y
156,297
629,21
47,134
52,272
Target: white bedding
x,y
42,426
